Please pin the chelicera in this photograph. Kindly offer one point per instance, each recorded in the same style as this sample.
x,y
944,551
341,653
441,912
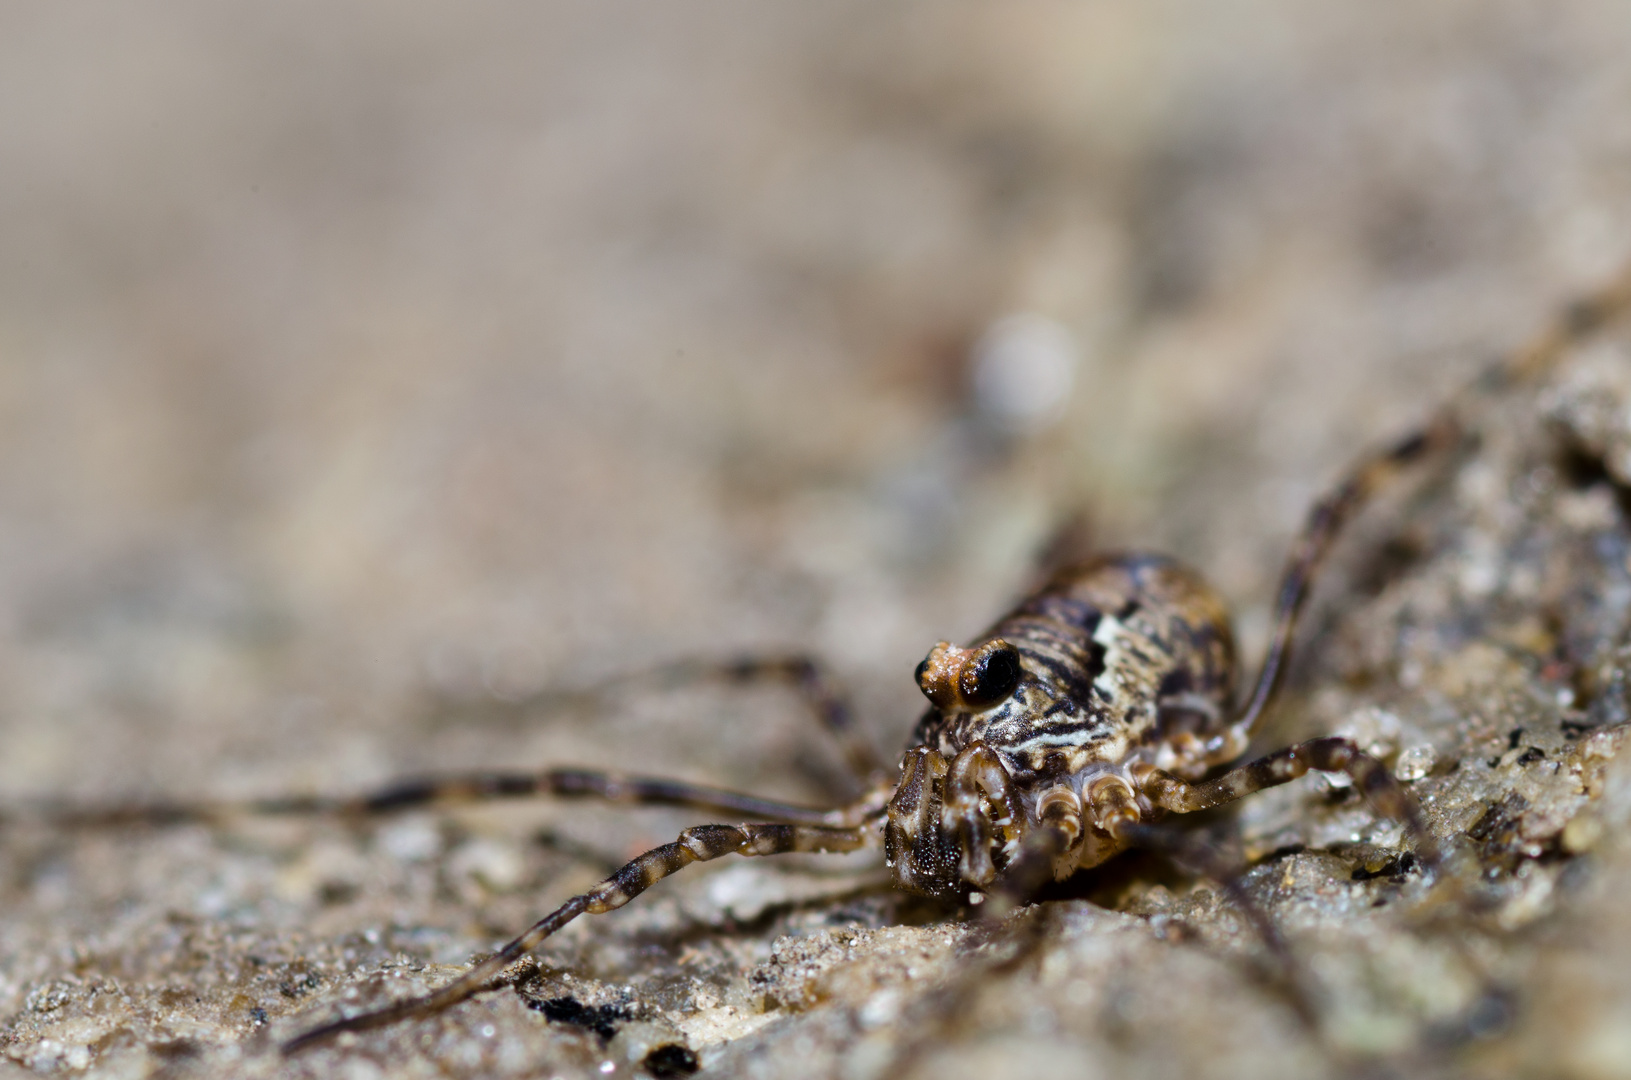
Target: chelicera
x,y
1104,702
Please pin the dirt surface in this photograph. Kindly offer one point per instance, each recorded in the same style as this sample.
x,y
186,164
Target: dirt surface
x,y
367,373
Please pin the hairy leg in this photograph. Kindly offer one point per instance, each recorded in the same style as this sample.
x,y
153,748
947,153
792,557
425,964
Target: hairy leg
x,y
698,844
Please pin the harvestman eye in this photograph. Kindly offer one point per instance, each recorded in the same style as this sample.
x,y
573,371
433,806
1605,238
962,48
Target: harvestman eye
x,y
992,675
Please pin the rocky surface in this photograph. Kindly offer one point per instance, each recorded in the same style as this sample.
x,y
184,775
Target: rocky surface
x,y
370,376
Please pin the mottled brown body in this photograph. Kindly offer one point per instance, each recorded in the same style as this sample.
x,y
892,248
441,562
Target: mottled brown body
x,y
1127,663
1120,654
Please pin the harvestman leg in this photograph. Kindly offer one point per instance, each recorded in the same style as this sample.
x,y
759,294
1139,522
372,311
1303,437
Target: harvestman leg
x,y
821,691
1324,524
818,687
480,786
1335,754
1326,520
698,844
1329,754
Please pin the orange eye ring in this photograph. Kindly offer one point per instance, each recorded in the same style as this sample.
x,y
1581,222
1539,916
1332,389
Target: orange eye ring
x,y
951,677
991,674
938,674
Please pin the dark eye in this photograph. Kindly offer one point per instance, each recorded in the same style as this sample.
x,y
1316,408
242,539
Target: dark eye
x,y
992,675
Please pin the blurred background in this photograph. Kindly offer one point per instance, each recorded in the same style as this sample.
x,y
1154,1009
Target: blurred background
x,y
366,367
357,358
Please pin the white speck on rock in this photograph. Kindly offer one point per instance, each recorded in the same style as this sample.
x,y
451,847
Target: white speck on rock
x,y
413,839
880,1009
1415,762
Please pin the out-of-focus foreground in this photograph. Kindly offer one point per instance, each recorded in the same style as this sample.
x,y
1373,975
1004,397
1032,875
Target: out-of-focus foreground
x,y
366,370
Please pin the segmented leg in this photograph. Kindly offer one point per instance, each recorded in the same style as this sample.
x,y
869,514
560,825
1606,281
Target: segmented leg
x,y
814,683
473,787
1330,754
585,783
826,698
1194,855
698,844
1579,320
808,677
1328,517
1325,522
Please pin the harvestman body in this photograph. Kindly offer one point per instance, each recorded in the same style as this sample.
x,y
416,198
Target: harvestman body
x,y
1099,705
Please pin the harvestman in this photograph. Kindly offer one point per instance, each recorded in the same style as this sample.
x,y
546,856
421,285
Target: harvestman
x,y
1099,705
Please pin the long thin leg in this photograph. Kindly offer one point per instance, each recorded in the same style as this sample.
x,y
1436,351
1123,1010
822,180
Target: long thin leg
x,y
473,787
1196,856
808,677
698,844
1113,808
1578,320
1330,754
585,783
1328,517
825,695
1325,522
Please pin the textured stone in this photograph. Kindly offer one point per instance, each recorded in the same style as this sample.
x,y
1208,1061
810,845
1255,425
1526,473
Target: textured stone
x,y
368,377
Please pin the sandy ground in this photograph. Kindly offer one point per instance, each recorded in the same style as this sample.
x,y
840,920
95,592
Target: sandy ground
x,y
367,372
